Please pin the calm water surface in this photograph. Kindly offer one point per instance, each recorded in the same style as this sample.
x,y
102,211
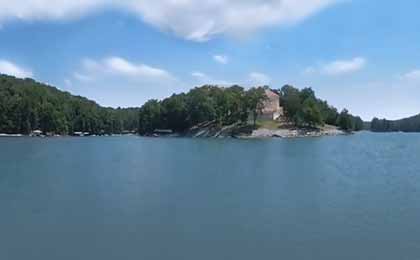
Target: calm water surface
x,y
353,197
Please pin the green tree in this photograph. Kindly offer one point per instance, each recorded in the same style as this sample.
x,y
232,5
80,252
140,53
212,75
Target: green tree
x,y
358,124
175,113
345,121
291,100
201,106
255,101
329,113
309,114
150,117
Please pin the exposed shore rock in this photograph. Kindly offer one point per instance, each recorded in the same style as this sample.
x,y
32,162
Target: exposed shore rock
x,y
10,135
212,130
294,133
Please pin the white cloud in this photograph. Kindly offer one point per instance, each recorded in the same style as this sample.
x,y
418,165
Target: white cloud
x,y
199,75
120,66
253,79
222,59
338,67
115,81
204,79
412,75
9,68
117,66
197,20
47,10
259,79
344,66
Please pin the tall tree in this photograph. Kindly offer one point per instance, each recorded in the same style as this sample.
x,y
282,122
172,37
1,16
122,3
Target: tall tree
x,y
150,116
345,121
309,114
255,101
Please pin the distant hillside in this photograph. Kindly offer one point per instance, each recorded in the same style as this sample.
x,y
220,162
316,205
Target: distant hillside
x,y
410,124
26,105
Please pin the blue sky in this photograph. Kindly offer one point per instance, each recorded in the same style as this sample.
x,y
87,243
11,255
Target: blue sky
x,y
358,54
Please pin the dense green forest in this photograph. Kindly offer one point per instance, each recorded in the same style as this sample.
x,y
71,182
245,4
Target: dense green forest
x,y
305,109
202,104
411,124
236,105
26,105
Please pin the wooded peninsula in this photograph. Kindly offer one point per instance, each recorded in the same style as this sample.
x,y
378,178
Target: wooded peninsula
x,y
27,106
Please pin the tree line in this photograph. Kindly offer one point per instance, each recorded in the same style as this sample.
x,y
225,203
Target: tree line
x,y
410,124
234,104
306,110
208,103
26,105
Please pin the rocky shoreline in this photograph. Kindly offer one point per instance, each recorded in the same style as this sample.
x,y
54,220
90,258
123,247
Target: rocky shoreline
x,y
10,135
294,133
210,130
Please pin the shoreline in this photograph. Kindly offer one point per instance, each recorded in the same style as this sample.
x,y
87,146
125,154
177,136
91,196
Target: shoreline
x,y
212,130
295,133
12,135
58,136
257,134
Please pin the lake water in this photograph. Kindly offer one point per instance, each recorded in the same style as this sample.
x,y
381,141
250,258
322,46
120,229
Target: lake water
x,y
347,197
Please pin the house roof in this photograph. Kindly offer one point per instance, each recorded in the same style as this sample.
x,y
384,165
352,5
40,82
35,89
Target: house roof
x,y
271,93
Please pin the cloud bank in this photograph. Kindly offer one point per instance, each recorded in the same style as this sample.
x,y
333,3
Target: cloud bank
x,y
120,67
115,81
204,79
338,67
253,79
196,20
344,66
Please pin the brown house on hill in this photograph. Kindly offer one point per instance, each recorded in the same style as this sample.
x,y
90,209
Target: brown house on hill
x,y
272,108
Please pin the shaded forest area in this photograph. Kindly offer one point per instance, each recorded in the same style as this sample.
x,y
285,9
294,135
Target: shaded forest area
x,y
410,124
26,105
